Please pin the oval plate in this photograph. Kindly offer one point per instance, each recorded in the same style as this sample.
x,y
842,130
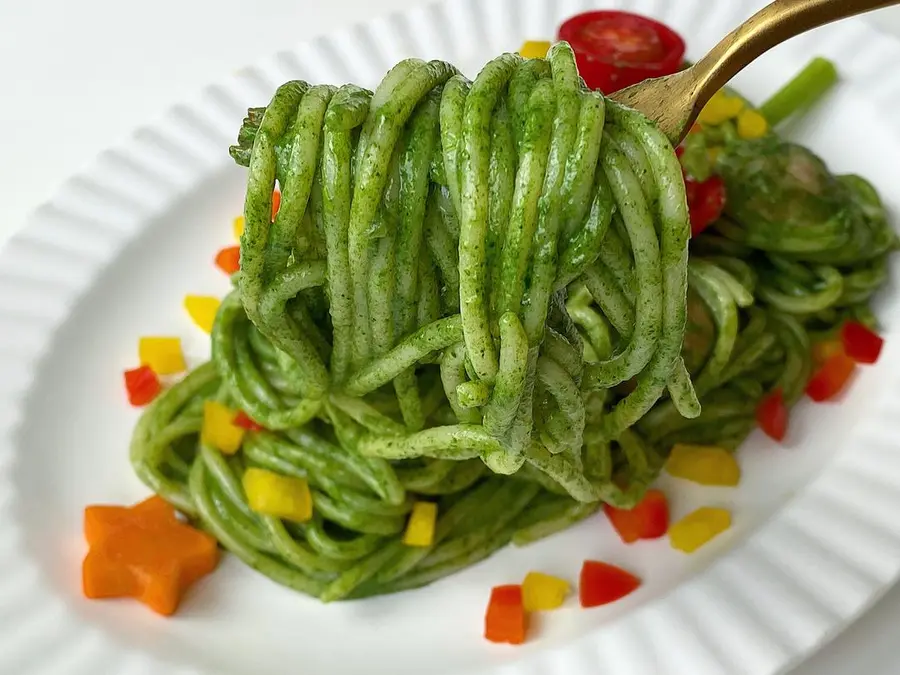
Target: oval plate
x,y
815,541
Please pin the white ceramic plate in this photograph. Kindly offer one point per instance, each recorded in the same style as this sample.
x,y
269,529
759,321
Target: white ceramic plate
x,y
815,541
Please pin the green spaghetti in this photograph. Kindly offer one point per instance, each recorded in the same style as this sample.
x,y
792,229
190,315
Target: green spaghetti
x,y
478,294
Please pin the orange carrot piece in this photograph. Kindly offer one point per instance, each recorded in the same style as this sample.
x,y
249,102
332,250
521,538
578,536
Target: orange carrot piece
x,y
144,552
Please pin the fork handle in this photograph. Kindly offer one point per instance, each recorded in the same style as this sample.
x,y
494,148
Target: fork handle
x,y
770,26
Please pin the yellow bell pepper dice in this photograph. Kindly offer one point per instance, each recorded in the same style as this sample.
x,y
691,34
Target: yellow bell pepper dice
x,y
202,309
420,528
162,354
272,494
721,108
542,592
751,124
534,49
699,527
238,227
219,430
704,464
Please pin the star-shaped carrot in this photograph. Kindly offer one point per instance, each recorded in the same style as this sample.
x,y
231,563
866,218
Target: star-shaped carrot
x,y
144,552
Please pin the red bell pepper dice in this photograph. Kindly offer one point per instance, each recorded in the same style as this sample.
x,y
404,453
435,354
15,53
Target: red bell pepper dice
x,y
831,377
706,201
602,584
648,520
617,49
142,385
772,415
276,203
244,421
860,343
506,619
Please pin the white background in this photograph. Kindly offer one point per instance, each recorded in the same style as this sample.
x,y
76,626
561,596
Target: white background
x,y
77,76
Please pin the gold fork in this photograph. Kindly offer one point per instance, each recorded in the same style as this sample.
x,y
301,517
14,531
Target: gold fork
x,y
674,101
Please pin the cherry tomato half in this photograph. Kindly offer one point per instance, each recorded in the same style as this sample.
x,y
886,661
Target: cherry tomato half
x,y
617,49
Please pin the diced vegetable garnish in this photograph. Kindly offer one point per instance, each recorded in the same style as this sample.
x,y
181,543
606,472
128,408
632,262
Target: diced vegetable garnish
x,y
706,201
861,343
144,552
617,49
831,377
721,108
276,203
648,520
699,527
202,309
542,592
772,415
162,354
824,350
219,430
142,385
229,259
704,464
238,227
602,583
506,619
534,49
272,494
750,124
420,528
244,421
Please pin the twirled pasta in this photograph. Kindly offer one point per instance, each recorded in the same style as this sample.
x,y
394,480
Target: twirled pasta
x,y
416,321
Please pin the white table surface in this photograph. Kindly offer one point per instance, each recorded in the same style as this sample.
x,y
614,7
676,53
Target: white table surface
x,y
78,76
